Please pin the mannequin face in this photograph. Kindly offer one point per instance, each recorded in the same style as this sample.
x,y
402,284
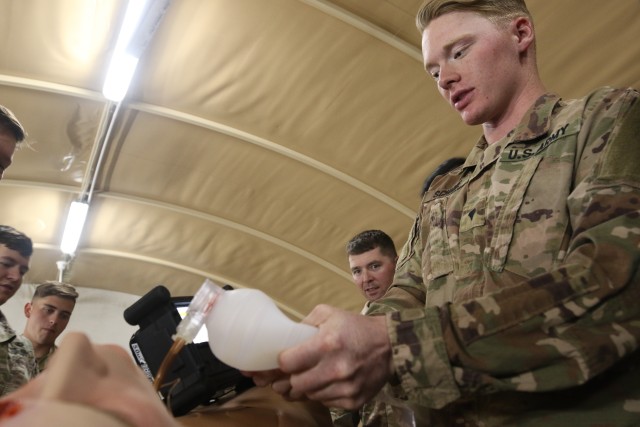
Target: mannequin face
x,y
31,412
82,379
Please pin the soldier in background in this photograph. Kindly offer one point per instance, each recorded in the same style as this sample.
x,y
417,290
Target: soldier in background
x,y
12,135
48,314
372,260
442,169
516,300
17,362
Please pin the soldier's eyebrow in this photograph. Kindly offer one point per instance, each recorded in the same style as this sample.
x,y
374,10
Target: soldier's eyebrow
x,y
56,308
9,261
447,48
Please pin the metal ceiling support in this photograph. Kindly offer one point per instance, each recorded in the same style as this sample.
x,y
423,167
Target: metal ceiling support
x,y
50,87
64,265
365,26
87,188
141,20
102,141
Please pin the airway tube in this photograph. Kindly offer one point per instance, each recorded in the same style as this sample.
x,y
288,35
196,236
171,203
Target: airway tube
x,y
167,362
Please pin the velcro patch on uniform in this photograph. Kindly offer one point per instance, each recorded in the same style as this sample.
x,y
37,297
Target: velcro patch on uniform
x,y
622,156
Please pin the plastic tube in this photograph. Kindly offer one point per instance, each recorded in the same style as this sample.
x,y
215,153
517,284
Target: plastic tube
x,y
197,312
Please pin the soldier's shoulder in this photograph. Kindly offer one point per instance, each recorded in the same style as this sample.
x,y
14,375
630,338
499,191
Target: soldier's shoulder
x,y
606,97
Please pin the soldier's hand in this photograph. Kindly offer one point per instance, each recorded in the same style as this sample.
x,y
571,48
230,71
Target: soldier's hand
x,y
344,365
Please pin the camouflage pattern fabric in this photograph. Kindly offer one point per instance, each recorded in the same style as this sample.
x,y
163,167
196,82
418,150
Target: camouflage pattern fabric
x,y
380,412
517,299
17,362
383,410
42,361
344,418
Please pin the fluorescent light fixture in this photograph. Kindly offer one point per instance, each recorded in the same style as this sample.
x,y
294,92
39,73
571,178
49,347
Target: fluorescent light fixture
x,y
119,76
139,25
123,64
73,227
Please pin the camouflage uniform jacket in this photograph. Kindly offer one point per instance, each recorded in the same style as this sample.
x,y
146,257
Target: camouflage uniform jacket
x,y
517,298
377,413
42,361
17,362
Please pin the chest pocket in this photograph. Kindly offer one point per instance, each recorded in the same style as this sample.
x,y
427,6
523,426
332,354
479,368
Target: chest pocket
x,y
504,203
471,232
473,212
440,261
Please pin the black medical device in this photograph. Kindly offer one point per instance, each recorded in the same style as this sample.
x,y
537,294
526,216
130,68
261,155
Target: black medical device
x,y
196,376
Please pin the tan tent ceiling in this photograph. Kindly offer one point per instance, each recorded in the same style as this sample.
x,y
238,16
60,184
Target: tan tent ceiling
x,y
257,137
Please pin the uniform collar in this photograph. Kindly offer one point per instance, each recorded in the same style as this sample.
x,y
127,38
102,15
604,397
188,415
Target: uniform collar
x,y
534,125
6,331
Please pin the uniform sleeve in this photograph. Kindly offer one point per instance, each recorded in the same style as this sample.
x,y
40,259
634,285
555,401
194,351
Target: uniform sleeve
x,y
407,289
344,418
558,329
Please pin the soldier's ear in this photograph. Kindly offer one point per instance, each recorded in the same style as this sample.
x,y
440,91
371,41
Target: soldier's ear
x,y
523,34
27,310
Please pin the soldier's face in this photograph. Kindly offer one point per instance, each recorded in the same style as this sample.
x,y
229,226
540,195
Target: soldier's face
x,y
47,318
372,272
13,267
475,64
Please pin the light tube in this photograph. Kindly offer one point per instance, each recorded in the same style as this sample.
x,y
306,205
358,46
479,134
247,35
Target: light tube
x,y
123,63
73,227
